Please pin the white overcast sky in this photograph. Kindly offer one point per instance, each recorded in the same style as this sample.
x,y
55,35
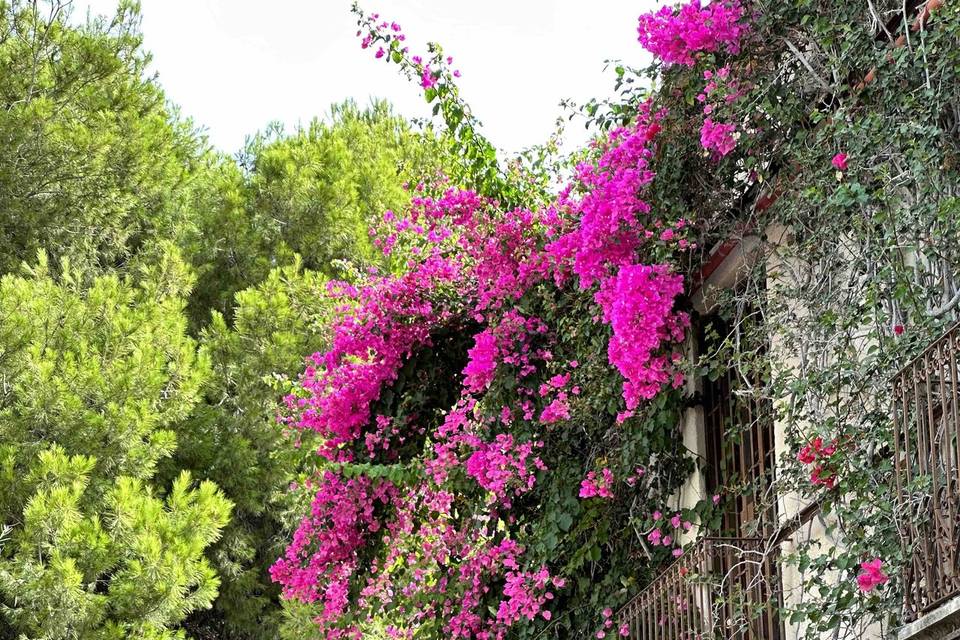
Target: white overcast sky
x,y
235,65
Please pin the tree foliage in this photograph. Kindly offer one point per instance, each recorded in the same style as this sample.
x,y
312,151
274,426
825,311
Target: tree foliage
x,y
233,439
313,193
92,161
95,379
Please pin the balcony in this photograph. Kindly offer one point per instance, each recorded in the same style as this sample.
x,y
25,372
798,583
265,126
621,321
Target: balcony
x,y
721,589
926,417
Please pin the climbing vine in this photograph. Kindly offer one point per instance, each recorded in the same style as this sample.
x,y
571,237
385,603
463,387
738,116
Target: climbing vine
x,y
500,419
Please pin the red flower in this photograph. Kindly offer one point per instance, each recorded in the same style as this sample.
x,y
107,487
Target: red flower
x,y
840,162
819,475
816,452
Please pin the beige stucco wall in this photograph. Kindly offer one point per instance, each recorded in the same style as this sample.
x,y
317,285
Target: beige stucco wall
x,y
692,434
817,532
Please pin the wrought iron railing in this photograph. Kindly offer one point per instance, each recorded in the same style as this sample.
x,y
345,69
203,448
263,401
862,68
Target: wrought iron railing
x,y
721,589
926,418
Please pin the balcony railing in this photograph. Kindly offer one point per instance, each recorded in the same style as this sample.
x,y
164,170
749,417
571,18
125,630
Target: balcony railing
x,y
723,588
925,416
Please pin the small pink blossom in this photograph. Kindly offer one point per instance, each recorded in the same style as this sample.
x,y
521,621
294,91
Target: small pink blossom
x,y
482,363
871,575
718,137
839,162
555,412
593,486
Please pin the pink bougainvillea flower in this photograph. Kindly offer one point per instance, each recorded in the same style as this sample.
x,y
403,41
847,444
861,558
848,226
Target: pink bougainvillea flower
x,y
839,162
624,630
676,37
871,575
595,233
482,362
555,412
427,78
597,486
820,475
718,137
638,303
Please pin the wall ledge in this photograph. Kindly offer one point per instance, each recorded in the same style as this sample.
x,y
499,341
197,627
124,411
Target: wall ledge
x,y
943,623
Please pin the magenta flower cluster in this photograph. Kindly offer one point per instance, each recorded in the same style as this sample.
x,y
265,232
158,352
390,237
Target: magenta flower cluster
x,y
390,35
319,562
600,486
478,374
677,36
871,575
487,259
636,300
638,305
718,137
501,465
611,217
373,545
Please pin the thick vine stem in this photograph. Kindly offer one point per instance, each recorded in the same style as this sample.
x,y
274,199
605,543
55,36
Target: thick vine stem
x,y
806,63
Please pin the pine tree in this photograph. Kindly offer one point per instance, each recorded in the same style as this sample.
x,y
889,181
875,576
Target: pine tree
x,y
92,378
235,440
313,192
93,165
